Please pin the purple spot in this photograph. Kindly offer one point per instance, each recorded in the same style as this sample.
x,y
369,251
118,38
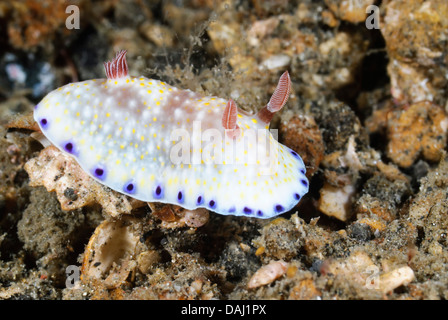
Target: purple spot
x,y
232,210
69,147
44,123
99,172
130,188
36,106
180,197
259,213
295,154
212,204
304,182
199,201
279,208
297,196
303,171
247,210
158,193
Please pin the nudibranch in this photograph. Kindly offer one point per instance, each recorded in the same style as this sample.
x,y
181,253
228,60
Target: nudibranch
x,y
157,143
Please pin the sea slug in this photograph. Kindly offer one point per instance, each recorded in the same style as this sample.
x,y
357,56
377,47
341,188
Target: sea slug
x,y
157,143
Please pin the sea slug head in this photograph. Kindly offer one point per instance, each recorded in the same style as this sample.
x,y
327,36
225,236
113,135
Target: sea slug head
x,y
249,135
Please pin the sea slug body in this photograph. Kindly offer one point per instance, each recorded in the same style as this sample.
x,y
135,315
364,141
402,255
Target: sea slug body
x,y
155,142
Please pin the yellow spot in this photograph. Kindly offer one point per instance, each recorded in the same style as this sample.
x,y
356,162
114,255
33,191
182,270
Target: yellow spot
x,y
78,96
142,138
121,128
154,119
108,114
149,91
161,91
133,130
155,135
77,114
65,111
57,120
121,146
254,120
